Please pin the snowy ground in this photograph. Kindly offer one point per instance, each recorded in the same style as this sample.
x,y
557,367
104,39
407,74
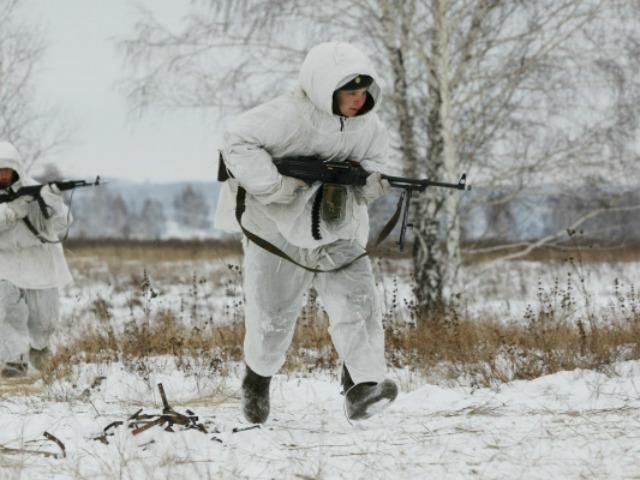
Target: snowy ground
x,y
580,424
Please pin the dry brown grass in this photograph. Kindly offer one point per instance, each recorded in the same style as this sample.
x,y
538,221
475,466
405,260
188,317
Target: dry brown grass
x,y
152,251
550,338
211,347
484,352
488,351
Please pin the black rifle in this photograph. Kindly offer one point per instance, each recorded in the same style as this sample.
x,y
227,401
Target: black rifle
x,y
34,191
313,169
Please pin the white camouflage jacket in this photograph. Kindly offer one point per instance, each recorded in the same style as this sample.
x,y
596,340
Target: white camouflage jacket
x,y
302,123
25,260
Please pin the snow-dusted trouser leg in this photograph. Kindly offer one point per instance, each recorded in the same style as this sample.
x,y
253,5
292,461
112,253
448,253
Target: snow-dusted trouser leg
x,y
351,300
14,335
274,291
44,312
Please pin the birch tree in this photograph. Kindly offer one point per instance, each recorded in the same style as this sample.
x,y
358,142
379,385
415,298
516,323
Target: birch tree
x,y
492,87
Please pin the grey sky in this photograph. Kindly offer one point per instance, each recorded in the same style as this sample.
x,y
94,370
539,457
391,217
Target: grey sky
x,y
80,71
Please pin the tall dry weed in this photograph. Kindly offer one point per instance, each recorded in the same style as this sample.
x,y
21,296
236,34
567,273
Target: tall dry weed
x,y
554,333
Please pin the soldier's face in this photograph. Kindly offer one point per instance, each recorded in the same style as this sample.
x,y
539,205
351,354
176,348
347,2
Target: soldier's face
x,y
351,101
6,177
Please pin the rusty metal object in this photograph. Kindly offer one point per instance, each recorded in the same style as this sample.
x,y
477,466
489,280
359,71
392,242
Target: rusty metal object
x,y
140,422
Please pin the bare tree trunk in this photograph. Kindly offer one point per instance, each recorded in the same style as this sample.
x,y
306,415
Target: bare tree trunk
x,y
437,263
397,38
451,268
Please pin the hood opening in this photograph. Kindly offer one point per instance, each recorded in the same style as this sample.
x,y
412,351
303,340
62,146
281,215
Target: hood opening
x,y
369,103
14,178
333,65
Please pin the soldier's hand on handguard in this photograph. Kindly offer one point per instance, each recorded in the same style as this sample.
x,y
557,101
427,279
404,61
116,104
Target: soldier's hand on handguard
x,y
60,217
286,192
52,196
375,187
19,208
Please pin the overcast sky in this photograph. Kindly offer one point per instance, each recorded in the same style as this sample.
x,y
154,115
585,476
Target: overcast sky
x,y
80,71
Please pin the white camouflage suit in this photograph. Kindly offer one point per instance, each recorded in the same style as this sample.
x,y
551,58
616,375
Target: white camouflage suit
x,y
30,271
278,209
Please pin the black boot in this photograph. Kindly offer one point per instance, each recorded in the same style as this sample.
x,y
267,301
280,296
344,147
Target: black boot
x,y
366,399
255,396
39,358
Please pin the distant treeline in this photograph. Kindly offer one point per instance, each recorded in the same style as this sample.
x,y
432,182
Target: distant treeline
x,y
185,211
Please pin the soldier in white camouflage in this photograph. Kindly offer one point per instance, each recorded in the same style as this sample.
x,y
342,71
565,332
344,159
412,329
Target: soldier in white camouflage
x,y
330,115
32,268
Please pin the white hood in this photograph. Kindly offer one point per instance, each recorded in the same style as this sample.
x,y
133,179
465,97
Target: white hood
x,y
10,158
328,66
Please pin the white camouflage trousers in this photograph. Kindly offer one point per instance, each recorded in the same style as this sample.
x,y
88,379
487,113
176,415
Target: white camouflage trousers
x,y
27,319
274,290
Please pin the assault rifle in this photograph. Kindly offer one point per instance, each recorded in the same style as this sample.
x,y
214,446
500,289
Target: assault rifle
x,y
313,169
34,191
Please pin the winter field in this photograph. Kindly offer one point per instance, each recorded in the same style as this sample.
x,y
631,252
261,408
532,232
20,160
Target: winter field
x,y
140,316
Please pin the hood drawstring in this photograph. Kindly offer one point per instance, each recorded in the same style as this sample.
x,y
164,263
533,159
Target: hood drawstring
x,y
341,124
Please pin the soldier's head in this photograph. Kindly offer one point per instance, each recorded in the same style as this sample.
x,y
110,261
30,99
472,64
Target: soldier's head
x,y
9,164
7,177
333,75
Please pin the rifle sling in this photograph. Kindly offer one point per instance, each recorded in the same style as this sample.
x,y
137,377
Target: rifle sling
x,y
268,246
39,235
33,229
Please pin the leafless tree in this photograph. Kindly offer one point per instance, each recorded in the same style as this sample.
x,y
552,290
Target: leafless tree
x,y
151,221
191,208
102,213
27,124
499,88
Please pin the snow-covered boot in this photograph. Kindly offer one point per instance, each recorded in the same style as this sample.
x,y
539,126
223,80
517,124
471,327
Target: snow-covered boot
x,y
255,396
366,399
39,358
14,369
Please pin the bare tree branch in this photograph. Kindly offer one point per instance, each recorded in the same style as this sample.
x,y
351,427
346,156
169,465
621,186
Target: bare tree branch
x,y
22,120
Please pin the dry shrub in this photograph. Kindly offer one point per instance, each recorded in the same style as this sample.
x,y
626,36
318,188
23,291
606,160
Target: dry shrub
x,y
484,352
206,349
209,348
488,351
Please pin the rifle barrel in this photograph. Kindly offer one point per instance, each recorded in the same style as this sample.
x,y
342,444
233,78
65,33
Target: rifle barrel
x,y
422,184
34,190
